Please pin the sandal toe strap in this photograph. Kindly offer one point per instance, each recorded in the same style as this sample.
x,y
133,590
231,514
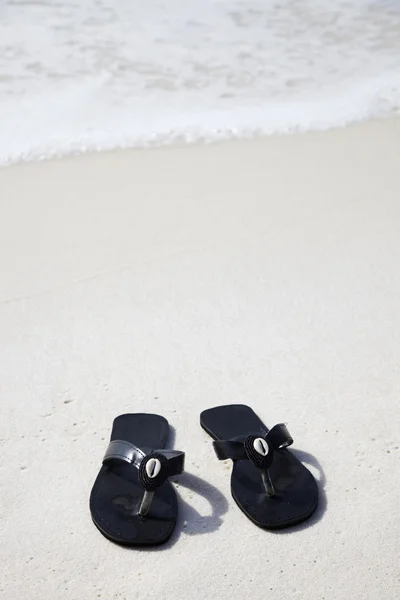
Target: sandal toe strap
x,y
257,448
154,467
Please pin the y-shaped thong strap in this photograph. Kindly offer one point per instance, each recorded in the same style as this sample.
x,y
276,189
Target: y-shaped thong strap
x,y
260,450
154,468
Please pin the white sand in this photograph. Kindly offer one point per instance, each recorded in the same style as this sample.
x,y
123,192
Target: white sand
x,y
171,280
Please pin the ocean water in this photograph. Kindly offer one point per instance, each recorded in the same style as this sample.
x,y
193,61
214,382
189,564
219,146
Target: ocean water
x,y
83,75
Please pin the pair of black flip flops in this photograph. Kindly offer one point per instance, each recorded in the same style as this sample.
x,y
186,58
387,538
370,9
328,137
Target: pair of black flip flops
x,y
133,503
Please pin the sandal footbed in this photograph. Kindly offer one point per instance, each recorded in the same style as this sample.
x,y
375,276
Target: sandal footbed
x,y
117,493
296,489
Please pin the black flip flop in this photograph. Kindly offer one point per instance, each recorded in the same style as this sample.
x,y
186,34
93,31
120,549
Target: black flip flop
x,y
269,484
132,502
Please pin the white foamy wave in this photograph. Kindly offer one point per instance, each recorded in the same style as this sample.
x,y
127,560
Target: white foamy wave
x,y
102,74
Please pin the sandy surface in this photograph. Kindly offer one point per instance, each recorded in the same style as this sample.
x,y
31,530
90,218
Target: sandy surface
x,y
172,280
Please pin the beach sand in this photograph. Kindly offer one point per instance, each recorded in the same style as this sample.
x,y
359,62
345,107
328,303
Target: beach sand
x,y
170,280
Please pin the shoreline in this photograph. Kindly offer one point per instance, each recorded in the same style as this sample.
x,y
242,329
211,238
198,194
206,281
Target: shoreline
x,y
180,145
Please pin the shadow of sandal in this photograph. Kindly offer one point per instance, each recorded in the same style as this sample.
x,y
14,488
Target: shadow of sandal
x,y
193,522
190,521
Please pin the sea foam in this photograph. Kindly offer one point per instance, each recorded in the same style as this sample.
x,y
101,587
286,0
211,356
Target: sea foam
x,y
103,74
